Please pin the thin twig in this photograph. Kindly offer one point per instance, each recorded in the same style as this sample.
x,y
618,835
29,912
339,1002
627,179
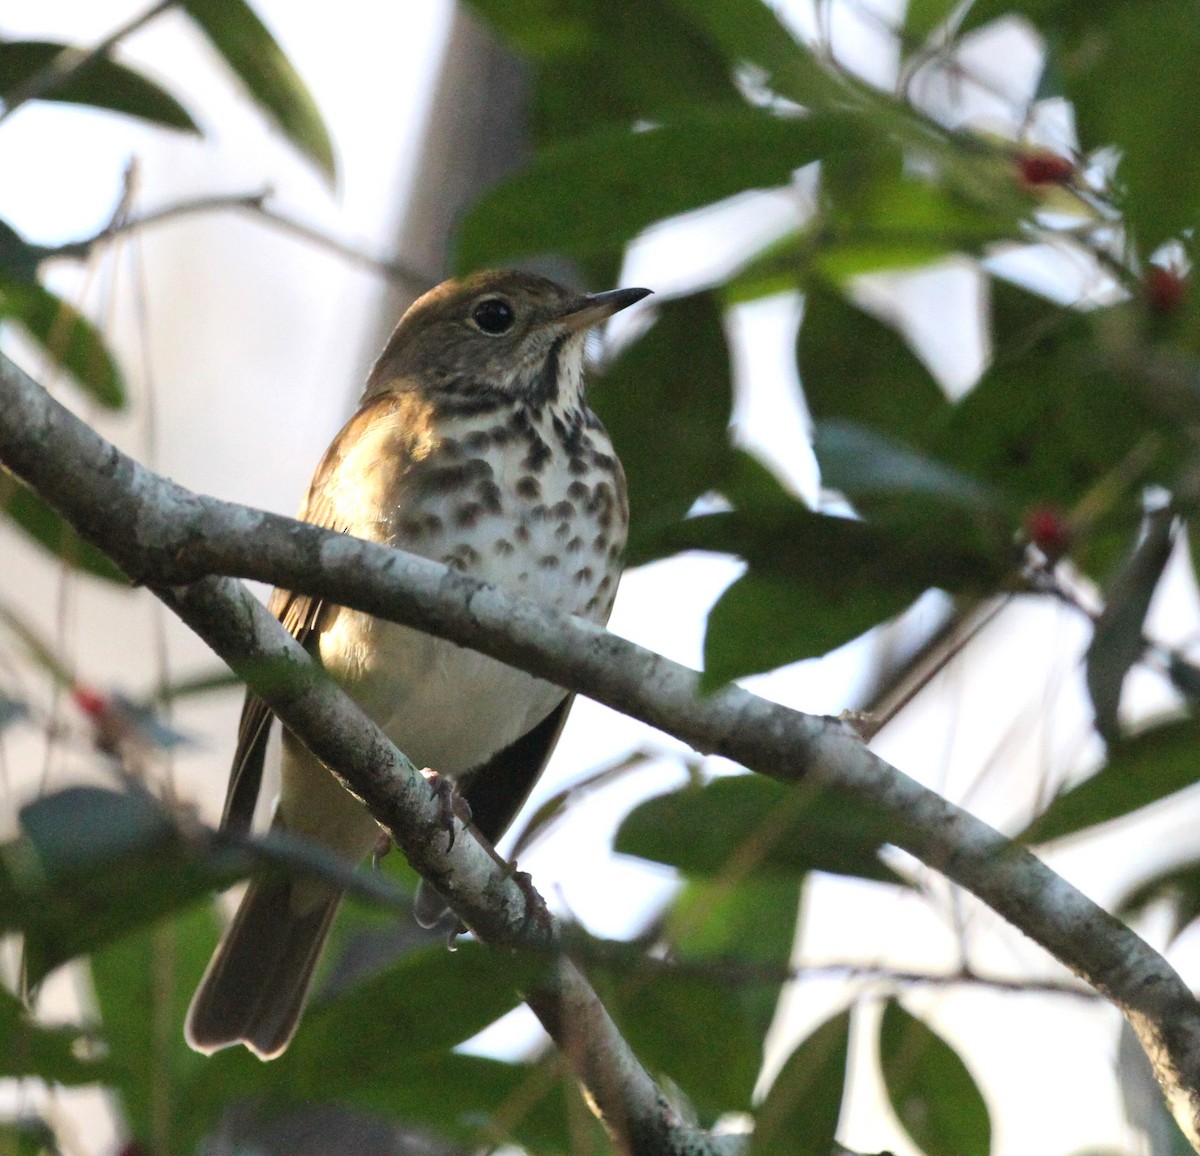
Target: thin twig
x,y
256,205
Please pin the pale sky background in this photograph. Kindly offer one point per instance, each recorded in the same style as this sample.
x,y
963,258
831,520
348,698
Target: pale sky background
x,y
242,325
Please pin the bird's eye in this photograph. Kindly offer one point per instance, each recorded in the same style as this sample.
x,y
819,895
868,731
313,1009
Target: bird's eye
x,y
494,316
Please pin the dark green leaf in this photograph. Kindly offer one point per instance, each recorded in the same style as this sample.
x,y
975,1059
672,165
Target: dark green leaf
x,y
45,527
855,368
28,1136
763,621
1049,422
922,17
930,1088
750,33
799,1117
1117,641
56,1055
68,337
752,922
143,984
773,830
816,582
18,258
102,84
256,59
668,1018
1140,770
876,471
609,63
94,865
674,381
594,193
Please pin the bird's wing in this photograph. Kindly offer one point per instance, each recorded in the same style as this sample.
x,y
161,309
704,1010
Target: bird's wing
x,y
300,613
496,790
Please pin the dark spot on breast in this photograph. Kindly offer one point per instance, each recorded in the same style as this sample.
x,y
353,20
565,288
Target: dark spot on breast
x,y
540,513
461,557
433,524
614,552
563,509
477,441
450,447
584,575
539,453
500,435
605,583
604,461
601,498
600,543
529,487
562,530
468,515
446,479
503,547
548,562
591,605
578,467
604,519
578,491
574,545
521,533
523,576
490,497
411,527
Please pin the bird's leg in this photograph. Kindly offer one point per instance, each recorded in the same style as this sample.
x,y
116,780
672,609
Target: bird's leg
x,y
536,911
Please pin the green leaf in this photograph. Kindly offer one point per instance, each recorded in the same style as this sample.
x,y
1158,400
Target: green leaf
x,y
1049,423
872,469
19,259
1117,641
48,529
816,581
799,1117
747,823
1148,766
855,368
94,865
252,53
751,924
102,84
56,1055
749,33
28,1136
600,64
923,17
594,193
930,1088
66,336
676,377
668,1018
143,984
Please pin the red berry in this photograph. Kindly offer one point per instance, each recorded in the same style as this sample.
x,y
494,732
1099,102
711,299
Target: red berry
x,y
1045,168
1165,289
1048,531
91,702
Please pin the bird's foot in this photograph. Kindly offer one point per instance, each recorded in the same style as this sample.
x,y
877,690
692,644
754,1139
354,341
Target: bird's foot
x,y
383,844
451,804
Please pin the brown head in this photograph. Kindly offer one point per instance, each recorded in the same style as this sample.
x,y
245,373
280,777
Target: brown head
x,y
504,331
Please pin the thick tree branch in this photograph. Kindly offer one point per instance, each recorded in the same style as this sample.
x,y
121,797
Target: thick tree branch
x,y
164,535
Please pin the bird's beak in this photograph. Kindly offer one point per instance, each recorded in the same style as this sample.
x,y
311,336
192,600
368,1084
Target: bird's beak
x,y
596,307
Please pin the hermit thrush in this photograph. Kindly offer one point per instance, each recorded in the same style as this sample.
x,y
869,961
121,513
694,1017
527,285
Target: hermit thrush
x,y
472,445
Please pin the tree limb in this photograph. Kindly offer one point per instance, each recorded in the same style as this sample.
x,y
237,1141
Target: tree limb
x,y
164,535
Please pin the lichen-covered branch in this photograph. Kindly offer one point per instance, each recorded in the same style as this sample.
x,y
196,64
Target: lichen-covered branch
x,y
164,535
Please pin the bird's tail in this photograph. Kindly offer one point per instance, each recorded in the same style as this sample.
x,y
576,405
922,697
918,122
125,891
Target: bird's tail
x,y
256,985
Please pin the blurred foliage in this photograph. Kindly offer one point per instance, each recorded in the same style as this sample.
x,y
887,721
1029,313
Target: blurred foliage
x,y
1072,459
